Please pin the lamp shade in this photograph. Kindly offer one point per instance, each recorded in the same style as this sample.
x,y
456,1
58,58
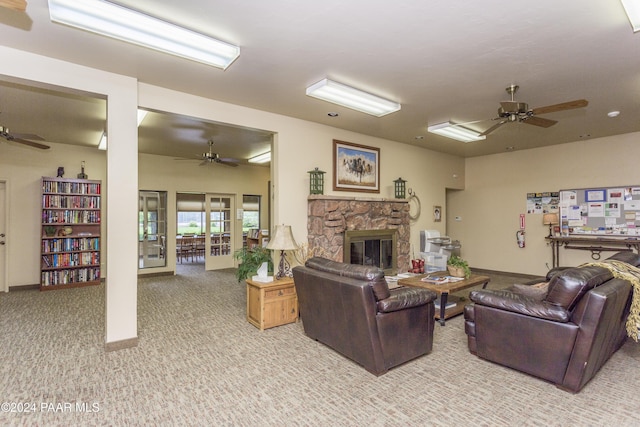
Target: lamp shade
x,y
550,219
282,239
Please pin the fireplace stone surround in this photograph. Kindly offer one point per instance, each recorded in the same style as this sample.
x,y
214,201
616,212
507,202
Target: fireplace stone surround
x,y
330,216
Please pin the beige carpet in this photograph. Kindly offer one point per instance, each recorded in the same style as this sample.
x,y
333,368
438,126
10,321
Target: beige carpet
x,y
199,362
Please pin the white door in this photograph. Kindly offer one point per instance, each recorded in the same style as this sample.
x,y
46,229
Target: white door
x,y
219,240
4,273
151,235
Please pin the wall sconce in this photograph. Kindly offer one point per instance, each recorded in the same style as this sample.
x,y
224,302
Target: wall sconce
x,y
400,186
550,219
316,181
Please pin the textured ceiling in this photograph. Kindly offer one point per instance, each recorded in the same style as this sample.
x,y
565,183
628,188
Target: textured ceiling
x,y
442,60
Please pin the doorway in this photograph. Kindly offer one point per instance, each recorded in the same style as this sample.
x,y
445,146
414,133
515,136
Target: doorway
x,y
221,231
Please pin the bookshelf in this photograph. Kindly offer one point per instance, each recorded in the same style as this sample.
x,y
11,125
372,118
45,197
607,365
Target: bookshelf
x,y
70,242
257,237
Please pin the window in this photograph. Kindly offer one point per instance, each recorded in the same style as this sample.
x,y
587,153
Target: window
x,y
250,212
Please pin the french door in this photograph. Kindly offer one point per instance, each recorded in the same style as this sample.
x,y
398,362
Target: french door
x,y
152,247
220,235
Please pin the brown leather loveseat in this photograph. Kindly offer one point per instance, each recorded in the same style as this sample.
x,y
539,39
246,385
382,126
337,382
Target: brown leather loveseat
x,y
564,335
351,309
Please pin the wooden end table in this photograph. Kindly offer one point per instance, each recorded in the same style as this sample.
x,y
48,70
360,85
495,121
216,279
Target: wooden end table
x,y
444,289
271,304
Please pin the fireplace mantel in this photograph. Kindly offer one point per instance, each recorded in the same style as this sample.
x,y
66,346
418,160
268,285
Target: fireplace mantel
x,y
330,216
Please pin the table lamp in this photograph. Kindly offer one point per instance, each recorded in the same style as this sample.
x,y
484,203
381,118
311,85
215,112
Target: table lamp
x,y
283,240
550,219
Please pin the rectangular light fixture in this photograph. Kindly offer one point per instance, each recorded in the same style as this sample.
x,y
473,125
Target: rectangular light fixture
x,y
261,158
632,8
460,133
349,97
124,24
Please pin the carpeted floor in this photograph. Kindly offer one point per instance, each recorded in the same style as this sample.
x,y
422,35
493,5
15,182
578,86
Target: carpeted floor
x,y
199,362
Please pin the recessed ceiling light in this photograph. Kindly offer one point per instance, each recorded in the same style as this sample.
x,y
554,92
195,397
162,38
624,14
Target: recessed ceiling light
x,y
613,113
333,114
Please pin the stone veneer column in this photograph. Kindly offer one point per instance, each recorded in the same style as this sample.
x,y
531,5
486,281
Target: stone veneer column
x,y
330,216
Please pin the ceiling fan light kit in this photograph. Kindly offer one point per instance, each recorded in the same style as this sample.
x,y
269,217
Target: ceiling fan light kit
x,y
355,99
457,132
124,24
632,9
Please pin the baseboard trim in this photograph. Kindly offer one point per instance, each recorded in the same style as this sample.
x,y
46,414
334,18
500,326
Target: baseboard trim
x,y
24,288
121,345
158,274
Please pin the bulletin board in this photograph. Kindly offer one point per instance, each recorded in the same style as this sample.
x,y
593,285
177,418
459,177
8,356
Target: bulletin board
x,y
610,211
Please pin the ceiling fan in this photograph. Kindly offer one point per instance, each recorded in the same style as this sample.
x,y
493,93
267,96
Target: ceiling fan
x,y
23,138
211,157
515,111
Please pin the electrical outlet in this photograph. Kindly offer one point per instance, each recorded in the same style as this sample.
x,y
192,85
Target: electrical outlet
x,y
458,218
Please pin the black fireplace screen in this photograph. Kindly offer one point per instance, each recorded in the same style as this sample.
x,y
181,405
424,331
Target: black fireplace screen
x,y
371,247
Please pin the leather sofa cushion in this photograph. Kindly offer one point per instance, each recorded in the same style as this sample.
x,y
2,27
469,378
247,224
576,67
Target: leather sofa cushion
x,y
405,298
628,257
516,303
536,291
567,287
373,275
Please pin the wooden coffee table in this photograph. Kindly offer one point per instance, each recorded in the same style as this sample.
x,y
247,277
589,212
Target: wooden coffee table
x,y
444,289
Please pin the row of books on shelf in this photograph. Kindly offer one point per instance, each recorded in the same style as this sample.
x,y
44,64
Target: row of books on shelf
x,y
65,277
71,244
70,217
70,202
74,259
253,233
70,187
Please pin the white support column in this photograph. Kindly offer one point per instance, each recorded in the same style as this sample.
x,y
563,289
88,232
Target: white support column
x,y
122,220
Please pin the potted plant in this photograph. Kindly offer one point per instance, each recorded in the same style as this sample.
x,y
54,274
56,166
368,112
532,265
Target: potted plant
x,y
458,267
251,260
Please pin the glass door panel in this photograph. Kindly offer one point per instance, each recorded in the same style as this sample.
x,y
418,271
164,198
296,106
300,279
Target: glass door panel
x,y
152,229
221,231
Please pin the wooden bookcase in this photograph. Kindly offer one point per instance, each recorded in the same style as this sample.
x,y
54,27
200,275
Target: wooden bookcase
x,y
70,242
257,237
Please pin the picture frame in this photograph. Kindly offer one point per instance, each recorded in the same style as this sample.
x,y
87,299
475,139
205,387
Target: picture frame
x,y
437,213
355,167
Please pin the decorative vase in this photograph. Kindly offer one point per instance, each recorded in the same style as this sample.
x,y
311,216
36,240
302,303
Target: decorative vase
x,y
456,271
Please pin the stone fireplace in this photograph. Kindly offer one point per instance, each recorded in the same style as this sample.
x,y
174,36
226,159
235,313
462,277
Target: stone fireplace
x,y
329,217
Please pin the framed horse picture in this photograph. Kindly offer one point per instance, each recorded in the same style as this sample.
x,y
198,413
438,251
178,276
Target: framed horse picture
x,y
355,167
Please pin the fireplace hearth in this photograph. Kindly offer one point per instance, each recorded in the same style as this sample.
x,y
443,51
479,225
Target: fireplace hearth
x,y
331,217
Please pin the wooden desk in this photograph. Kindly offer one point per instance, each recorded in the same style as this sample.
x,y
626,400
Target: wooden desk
x,y
444,289
595,244
271,304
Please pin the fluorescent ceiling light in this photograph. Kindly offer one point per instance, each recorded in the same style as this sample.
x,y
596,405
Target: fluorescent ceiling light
x,y
124,24
461,133
141,115
632,8
262,158
349,97
102,145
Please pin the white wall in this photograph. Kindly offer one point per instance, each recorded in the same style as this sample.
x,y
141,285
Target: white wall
x,y
496,190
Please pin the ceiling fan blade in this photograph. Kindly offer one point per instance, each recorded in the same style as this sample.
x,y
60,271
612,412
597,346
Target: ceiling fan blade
x,y
539,121
578,103
30,143
494,127
20,5
30,136
227,162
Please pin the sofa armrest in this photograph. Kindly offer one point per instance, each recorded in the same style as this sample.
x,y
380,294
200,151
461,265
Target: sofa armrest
x,y
402,298
516,303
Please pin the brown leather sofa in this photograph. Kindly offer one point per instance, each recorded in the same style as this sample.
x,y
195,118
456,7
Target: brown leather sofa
x,y
351,309
564,335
